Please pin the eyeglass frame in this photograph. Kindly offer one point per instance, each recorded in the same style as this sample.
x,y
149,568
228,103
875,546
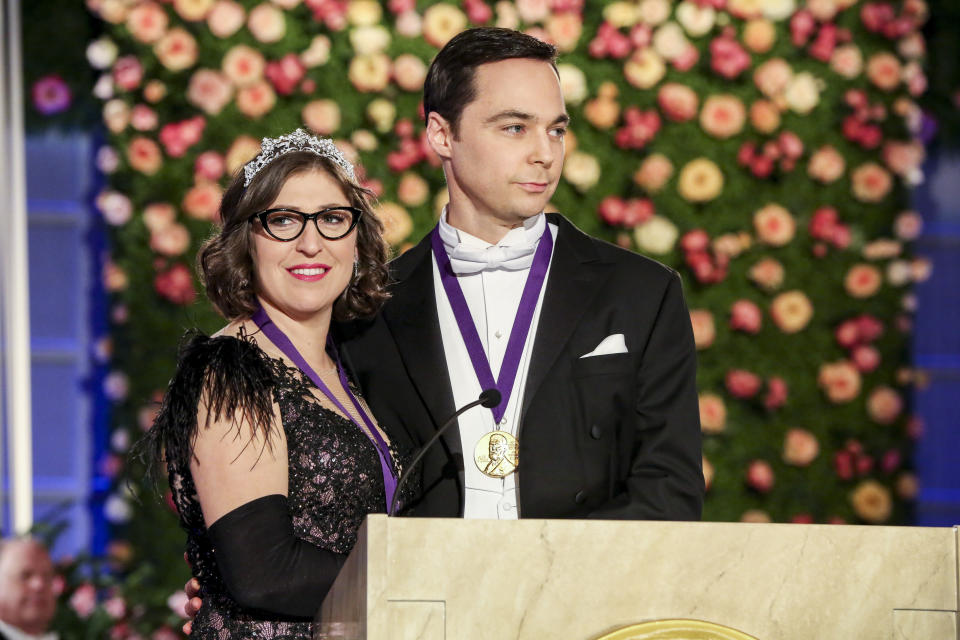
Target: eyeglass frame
x,y
307,217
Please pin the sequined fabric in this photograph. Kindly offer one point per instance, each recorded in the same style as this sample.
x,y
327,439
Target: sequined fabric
x,y
334,481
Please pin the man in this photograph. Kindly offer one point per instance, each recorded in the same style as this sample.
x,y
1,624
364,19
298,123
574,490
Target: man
x,y
27,599
590,345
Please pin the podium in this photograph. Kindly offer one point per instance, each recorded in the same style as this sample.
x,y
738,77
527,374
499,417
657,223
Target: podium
x,y
446,579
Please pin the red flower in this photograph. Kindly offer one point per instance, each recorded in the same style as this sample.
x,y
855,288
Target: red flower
x,y
176,285
640,128
478,12
822,48
727,57
695,240
876,15
843,464
127,73
741,383
745,316
177,137
776,393
285,74
397,7
802,26
332,13
868,327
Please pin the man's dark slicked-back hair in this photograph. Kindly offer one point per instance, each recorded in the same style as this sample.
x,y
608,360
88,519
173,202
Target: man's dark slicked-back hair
x,y
449,86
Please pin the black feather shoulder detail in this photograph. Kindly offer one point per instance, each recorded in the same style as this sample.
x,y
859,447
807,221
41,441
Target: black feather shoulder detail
x,y
235,380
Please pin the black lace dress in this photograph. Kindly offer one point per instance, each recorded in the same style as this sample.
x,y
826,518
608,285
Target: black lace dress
x,y
335,478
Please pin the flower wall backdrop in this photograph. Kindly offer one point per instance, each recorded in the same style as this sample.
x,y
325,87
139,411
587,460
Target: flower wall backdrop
x,y
763,148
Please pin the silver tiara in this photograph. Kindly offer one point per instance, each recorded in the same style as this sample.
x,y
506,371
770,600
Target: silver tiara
x,y
299,140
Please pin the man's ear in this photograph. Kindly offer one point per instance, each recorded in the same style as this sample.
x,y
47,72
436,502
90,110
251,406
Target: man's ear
x,y
439,135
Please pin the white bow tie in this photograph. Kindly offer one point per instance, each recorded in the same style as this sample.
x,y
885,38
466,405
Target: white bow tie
x,y
515,256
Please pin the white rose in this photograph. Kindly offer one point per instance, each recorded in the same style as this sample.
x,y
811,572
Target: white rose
x,y
573,83
101,53
582,170
899,273
696,20
657,236
369,39
653,12
803,93
620,14
778,9
117,510
103,89
669,41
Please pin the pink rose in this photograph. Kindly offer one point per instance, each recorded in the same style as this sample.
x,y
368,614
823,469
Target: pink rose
x,y
178,137
144,155
565,30
777,393
158,215
764,116
267,23
746,316
225,18
713,413
866,358
147,22
908,225
143,118
772,77
127,73
172,240
704,331
176,285
884,405
639,129
84,600
243,65
322,116
176,603
50,94
723,116
678,102
209,90
760,476
116,607
727,58
903,158
847,61
209,165
409,72
800,447
654,172
741,383
285,74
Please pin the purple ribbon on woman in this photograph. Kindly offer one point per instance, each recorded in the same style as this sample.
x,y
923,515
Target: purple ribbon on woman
x,y
521,323
280,339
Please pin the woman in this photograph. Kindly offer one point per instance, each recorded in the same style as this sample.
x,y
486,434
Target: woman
x,y
272,458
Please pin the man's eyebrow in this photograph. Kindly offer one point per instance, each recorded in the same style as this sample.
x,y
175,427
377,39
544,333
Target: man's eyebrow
x,y
514,114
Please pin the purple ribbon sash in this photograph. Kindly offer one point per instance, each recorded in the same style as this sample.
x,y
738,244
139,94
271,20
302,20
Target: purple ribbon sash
x,y
280,339
521,323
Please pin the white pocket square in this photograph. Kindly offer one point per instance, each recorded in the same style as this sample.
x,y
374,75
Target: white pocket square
x,y
611,344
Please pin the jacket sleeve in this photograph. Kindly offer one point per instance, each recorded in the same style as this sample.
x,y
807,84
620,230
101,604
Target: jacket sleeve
x,y
665,479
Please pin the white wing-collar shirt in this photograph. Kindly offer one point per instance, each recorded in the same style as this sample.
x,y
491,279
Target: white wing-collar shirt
x,y
492,277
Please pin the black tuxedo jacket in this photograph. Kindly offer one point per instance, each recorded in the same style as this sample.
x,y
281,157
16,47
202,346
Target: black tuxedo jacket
x,y
609,436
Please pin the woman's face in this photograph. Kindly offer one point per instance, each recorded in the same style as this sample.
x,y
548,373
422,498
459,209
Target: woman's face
x,y
303,277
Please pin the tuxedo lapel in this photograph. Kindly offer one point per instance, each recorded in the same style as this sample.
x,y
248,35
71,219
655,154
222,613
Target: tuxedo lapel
x,y
411,316
576,273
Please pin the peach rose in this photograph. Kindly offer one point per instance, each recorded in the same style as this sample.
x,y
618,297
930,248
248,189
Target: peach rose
x,y
158,215
826,165
644,69
318,53
256,100
800,447
243,65
697,20
802,94
912,46
409,24
882,249
116,115
847,61
114,277
147,22
364,13
225,18
192,10
397,223
441,22
656,236
883,70
884,405
602,112
700,180
759,35
823,10
767,274
371,39
839,380
267,23
144,155
760,476
202,201
903,158
653,12
871,502
772,77
370,73
533,11
764,116
907,486
713,413
774,225
582,170
704,331
564,30
412,190
209,90
382,113
321,116
756,516
176,50
654,172
154,91
573,84
723,116
409,71
364,140
678,102
241,151
870,182
172,240
791,311
708,472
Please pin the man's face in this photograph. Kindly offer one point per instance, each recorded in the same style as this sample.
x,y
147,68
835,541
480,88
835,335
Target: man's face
x,y
27,599
507,158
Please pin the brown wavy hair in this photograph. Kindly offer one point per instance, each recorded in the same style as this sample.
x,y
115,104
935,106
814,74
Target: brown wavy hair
x,y
225,261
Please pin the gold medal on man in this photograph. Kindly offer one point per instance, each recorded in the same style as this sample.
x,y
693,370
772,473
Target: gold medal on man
x,y
497,454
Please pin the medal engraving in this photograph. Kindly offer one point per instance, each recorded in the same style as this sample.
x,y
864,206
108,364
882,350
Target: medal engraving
x,y
497,454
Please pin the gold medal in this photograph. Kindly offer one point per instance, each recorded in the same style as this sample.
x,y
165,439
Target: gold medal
x,y
497,454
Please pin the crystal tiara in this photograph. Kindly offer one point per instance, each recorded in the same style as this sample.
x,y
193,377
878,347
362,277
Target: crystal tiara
x,y
299,140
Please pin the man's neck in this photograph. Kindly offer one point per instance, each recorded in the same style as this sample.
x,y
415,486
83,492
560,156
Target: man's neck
x,y
17,632
484,226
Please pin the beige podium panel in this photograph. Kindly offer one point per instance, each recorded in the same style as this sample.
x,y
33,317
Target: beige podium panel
x,y
451,579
